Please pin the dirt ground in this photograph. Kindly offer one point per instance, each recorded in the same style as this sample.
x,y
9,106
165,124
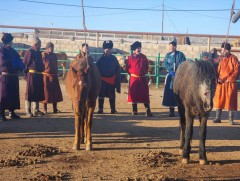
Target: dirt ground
x,y
125,147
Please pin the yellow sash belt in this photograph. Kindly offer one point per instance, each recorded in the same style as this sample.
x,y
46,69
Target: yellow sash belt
x,y
137,76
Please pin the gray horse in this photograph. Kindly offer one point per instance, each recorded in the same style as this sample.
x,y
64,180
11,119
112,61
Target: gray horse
x,y
194,87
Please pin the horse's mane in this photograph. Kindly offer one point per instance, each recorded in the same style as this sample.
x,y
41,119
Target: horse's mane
x,y
204,70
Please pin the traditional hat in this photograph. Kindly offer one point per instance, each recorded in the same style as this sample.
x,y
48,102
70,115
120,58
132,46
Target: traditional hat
x,y
36,40
107,44
84,44
49,44
7,38
227,46
136,45
173,43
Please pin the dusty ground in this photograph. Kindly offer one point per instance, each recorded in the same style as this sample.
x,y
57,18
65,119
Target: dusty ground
x,y
125,147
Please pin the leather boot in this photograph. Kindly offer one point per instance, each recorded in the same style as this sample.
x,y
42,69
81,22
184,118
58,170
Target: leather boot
x,y
230,117
112,106
217,119
134,109
100,105
148,110
171,110
12,115
55,109
2,115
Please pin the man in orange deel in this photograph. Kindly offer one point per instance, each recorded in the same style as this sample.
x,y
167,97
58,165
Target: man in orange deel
x,y
226,90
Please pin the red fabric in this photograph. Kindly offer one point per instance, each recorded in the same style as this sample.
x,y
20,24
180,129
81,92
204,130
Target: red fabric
x,y
138,86
226,92
109,80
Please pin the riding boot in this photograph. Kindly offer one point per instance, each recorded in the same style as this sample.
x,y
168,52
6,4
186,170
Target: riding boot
x,y
12,115
134,109
217,119
171,110
100,105
148,110
231,115
112,106
2,115
55,109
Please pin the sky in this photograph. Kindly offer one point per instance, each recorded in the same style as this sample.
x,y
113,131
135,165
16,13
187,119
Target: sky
x,y
132,15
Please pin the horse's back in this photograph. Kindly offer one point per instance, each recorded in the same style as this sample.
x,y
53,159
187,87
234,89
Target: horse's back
x,y
183,75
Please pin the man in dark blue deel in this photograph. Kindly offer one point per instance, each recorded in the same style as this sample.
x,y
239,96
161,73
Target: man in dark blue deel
x,y
109,69
10,64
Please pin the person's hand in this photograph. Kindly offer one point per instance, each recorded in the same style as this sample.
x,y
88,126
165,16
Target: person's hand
x,y
172,73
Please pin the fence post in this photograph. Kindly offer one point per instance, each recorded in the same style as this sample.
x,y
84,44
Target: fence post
x,y
157,70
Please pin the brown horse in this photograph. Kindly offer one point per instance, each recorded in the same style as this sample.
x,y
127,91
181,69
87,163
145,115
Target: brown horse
x,y
83,86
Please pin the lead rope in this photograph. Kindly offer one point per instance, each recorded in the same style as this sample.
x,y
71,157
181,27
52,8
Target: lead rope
x,y
231,14
85,34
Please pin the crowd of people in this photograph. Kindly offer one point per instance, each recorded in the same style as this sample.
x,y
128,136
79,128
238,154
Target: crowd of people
x,y
41,72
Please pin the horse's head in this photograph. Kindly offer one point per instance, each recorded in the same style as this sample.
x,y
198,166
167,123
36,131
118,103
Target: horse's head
x,y
206,83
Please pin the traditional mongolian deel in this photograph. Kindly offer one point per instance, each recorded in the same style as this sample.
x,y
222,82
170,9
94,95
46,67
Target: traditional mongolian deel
x,y
226,92
33,68
10,64
109,69
171,63
137,67
52,90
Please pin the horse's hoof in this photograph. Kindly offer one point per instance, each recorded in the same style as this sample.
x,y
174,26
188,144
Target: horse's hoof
x,y
203,162
88,147
180,151
185,161
76,147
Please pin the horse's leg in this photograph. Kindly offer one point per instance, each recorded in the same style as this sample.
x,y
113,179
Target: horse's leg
x,y
182,127
85,126
90,111
76,145
188,137
82,125
202,139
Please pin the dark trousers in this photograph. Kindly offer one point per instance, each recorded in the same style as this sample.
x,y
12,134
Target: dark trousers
x,y
134,106
54,106
111,102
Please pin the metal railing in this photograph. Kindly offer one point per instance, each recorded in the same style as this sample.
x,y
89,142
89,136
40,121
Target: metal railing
x,y
157,66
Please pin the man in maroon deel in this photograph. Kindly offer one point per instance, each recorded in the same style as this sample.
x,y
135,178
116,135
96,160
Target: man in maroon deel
x,y
137,68
52,90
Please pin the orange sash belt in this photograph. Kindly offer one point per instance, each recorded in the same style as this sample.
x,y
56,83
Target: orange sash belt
x,y
109,80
